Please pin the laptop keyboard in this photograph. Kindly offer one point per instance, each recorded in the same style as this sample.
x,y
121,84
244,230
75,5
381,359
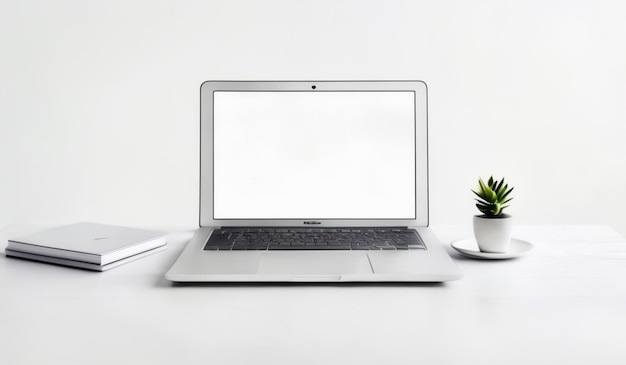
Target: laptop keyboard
x,y
226,239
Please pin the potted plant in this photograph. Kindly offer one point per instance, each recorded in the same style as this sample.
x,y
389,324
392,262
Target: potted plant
x,y
492,228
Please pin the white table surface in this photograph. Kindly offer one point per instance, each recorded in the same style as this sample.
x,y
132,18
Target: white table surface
x,y
563,303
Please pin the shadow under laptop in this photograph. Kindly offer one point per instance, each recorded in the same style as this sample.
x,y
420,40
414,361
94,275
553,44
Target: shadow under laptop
x,y
169,284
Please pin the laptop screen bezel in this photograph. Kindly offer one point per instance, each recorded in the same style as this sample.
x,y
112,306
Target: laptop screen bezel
x,y
207,90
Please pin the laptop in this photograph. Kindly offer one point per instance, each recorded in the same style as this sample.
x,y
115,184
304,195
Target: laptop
x,y
313,181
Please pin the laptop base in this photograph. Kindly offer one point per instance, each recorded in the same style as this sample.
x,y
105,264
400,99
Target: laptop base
x,y
198,265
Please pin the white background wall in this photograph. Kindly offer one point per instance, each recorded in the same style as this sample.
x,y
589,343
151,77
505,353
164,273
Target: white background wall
x,y
99,100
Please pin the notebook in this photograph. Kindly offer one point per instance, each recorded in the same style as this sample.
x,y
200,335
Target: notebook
x,y
88,245
313,158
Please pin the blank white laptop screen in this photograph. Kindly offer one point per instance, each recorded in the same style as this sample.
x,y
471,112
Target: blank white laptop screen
x,y
314,155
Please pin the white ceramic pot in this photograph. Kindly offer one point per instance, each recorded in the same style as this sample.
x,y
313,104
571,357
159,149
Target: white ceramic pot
x,y
493,234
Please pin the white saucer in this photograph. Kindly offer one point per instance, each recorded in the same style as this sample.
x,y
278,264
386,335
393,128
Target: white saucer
x,y
469,248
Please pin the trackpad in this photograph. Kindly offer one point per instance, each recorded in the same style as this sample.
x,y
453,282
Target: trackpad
x,y
314,263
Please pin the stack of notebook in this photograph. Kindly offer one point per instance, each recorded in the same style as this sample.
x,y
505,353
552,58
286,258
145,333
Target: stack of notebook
x,y
87,245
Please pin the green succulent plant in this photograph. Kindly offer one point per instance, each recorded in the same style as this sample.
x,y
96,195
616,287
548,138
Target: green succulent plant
x,y
492,197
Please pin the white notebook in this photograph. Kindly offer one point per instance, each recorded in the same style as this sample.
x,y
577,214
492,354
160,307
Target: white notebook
x,y
92,243
81,264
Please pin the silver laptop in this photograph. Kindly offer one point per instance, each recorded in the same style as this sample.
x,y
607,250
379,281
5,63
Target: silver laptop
x,y
313,181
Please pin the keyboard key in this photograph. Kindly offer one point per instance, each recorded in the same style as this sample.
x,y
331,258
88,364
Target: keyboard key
x,y
309,248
